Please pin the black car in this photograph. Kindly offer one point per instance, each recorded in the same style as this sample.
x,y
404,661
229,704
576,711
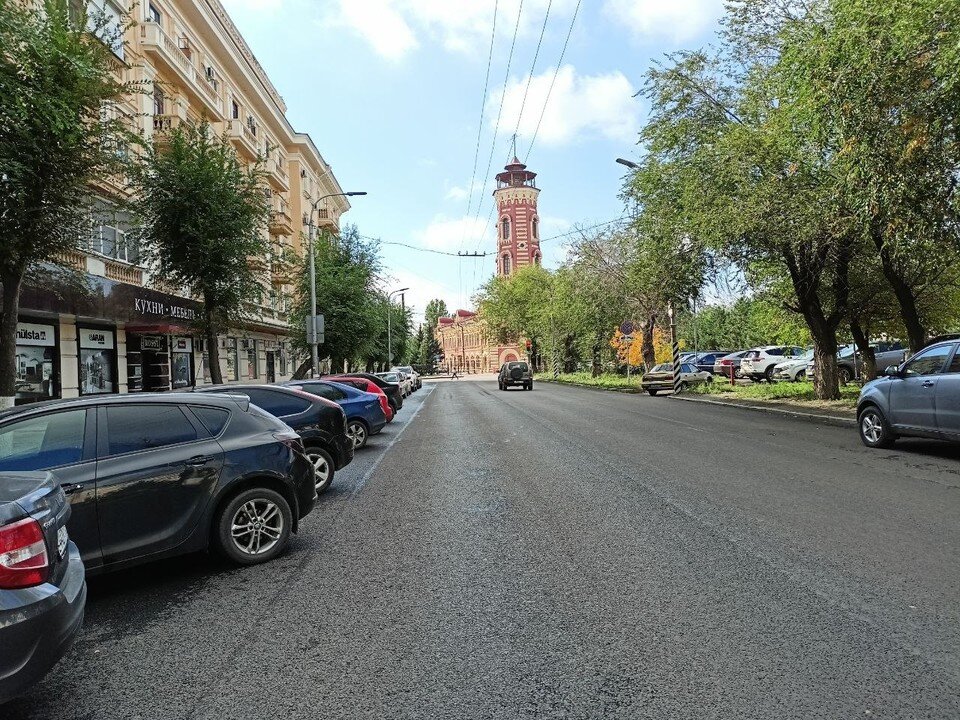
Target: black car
x,y
515,373
151,476
320,423
708,360
42,585
393,391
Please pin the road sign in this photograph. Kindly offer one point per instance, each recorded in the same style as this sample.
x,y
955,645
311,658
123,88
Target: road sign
x,y
315,329
626,327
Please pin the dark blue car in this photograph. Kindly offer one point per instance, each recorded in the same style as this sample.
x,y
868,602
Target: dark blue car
x,y
364,415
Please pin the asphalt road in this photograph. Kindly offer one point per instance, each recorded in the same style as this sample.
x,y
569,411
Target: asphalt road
x,y
565,553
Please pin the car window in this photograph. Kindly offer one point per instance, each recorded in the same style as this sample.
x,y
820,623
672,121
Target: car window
x,y
687,368
277,403
662,367
775,351
928,362
43,442
954,366
353,383
213,419
325,391
141,427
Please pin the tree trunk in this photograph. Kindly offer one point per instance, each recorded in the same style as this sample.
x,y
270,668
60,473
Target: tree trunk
x,y
213,346
906,298
8,338
863,345
646,343
302,371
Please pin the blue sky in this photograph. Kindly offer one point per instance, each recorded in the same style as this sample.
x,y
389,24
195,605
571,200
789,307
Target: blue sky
x,y
391,90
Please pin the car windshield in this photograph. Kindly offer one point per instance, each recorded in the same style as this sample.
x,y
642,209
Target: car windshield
x,y
390,377
662,367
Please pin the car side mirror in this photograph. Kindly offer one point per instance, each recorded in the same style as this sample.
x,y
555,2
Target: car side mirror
x,y
892,371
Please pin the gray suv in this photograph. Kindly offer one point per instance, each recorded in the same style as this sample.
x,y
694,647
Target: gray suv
x,y
920,398
515,373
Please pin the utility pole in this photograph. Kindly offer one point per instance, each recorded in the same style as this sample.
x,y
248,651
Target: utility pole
x,y
389,327
312,329
676,348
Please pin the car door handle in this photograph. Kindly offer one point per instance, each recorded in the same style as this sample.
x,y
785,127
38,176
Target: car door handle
x,y
71,488
200,460
927,384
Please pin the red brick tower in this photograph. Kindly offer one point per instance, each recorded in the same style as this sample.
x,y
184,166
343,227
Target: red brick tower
x,y
518,226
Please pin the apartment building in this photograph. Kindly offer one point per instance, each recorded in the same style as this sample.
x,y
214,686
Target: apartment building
x,y
131,332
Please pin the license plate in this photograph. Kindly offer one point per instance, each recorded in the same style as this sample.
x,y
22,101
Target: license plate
x,y
62,541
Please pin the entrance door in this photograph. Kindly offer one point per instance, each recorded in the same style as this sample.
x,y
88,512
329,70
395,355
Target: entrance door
x,y
271,367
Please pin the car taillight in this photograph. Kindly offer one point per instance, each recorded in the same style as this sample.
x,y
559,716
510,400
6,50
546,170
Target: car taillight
x,y
23,555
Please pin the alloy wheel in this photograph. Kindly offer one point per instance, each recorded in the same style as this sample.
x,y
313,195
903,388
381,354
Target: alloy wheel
x,y
321,470
257,526
358,433
871,427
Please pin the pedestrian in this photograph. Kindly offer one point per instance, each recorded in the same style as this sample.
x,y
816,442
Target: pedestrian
x,y
455,376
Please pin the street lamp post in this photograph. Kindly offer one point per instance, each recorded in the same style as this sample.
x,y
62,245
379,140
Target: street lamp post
x,y
314,351
389,327
629,163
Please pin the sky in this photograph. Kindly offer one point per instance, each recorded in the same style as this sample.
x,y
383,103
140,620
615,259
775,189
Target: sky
x,y
392,93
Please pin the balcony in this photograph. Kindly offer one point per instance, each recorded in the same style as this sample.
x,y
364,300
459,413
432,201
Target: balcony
x,y
280,221
177,60
123,272
328,220
244,137
277,173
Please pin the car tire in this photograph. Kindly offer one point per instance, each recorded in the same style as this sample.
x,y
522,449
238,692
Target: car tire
x,y
844,375
874,430
236,537
682,386
323,467
800,376
768,374
653,393
358,431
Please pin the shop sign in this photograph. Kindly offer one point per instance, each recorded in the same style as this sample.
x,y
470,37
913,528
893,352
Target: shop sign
x,y
153,342
35,335
91,339
156,308
182,344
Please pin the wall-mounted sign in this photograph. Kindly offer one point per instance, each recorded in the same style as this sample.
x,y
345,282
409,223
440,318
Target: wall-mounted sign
x,y
96,339
158,308
182,344
35,335
153,342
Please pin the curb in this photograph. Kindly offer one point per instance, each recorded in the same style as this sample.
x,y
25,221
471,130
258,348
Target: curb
x,y
625,391
811,417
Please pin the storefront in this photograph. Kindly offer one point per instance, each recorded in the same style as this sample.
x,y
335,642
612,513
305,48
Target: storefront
x,y
38,359
97,369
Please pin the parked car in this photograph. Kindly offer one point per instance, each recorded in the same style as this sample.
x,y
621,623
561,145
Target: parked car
x,y
850,365
722,365
794,369
515,373
413,374
758,363
660,377
392,390
365,415
919,398
708,360
42,585
369,386
397,379
320,424
152,476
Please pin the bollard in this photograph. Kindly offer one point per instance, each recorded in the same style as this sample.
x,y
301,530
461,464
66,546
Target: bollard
x,y
733,375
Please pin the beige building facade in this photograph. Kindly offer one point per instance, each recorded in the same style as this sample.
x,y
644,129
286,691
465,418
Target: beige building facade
x,y
131,332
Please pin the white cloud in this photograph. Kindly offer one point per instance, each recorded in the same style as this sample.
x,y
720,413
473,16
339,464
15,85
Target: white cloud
x,y
676,20
449,234
580,105
457,25
458,192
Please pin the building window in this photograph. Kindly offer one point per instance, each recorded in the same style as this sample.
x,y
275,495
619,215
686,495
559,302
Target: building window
x,y
153,15
105,20
253,369
232,360
506,265
536,228
235,110
536,258
159,102
110,236
505,228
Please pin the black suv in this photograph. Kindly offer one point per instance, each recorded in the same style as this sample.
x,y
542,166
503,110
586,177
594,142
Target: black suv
x,y
320,423
515,373
151,476
42,589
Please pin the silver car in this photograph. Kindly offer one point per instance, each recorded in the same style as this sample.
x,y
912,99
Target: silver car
x,y
920,398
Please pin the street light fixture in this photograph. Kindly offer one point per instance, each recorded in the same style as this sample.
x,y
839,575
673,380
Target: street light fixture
x,y
389,332
629,163
314,352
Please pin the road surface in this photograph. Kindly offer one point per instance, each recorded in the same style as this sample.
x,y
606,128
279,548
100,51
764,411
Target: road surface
x,y
562,553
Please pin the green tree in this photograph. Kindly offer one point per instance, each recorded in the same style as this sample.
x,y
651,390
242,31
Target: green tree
x,y
204,225
57,133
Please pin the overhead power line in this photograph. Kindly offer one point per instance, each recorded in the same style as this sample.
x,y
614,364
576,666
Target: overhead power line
x,y
553,80
423,249
576,231
483,104
533,67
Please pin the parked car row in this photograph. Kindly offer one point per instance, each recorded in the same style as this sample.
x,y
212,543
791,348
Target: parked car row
x,y
99,483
